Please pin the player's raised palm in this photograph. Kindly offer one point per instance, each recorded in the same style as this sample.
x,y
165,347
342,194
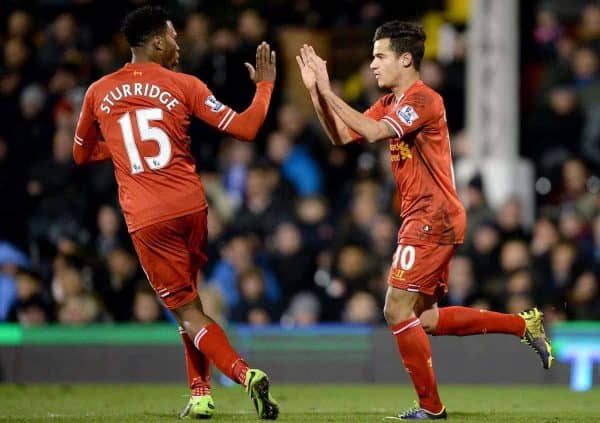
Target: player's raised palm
x,y
265,64
308,75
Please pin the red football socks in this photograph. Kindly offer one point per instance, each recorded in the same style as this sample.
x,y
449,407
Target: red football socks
x,y
415,350
197,366
462,321
213,343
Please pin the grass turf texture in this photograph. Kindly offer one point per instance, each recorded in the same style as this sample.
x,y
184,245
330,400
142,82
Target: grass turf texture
x,y
299,403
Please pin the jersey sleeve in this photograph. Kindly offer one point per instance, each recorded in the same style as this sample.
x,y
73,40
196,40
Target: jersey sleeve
x,y
207,108
243,126
413,113
376,112
86,146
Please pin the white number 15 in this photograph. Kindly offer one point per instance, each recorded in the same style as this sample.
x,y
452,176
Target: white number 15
x,y
147,133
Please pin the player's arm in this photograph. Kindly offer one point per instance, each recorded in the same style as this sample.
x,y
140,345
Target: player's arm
x,y
90,151
368,128
87,146
243,126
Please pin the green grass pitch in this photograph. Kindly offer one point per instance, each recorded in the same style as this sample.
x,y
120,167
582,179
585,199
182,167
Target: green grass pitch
x,y
299,403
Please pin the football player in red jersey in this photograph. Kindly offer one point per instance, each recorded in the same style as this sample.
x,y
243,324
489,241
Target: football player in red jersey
x,y
143,111
412,119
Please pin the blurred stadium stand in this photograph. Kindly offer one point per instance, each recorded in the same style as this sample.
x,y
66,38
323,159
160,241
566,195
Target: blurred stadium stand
x,y
300,232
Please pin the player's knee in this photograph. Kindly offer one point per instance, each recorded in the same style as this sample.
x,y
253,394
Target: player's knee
x,y
395,313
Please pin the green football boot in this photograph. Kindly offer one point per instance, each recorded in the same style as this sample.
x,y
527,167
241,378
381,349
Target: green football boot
x,y
535,335
257,386
200,407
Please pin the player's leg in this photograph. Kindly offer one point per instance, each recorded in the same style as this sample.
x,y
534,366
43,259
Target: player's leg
x,y
416,279
415,350
210,338
168,260
464,321
201,404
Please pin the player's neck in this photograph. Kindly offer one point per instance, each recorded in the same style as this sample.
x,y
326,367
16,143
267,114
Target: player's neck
x,y
139,56
405,83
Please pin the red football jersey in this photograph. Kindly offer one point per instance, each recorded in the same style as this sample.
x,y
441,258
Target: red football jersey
x,y
143,112
422,165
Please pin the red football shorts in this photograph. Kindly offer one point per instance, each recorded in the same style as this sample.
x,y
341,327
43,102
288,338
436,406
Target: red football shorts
x,y
421,267
171,254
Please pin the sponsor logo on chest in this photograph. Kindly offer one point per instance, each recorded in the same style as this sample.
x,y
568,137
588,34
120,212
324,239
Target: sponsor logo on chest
x,y
399,150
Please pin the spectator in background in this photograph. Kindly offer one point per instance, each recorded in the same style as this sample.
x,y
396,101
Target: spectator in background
x,y
383,240
118,290
13,177
584,297
32,305
476,206
20,25
194,42
31,133
11,259
510,220
146,308
304,310
574,187
362,308
312,214
80,309
356,226
289,252
293,123
56,193
296,164
562,272
236,158
558,120
462,286
109,230
238,257
64,39
485,252
262,210
546,33
254,306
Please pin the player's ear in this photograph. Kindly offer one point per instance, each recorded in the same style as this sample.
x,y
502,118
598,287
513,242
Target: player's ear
x,y
158,43
406,60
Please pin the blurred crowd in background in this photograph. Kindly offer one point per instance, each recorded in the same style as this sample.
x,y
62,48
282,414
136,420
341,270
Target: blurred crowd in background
x,y
300,232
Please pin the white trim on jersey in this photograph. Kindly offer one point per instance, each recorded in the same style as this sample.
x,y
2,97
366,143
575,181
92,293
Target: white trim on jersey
x,y
226,119
395,126
226,124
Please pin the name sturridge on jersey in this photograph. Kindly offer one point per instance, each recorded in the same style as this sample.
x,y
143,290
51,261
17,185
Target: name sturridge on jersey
x,y
138,89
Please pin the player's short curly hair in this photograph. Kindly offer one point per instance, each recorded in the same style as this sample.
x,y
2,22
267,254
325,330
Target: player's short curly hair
x,y
405,37
141,24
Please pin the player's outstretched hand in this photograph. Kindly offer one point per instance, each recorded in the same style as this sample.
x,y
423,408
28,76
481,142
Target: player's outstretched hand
x,y
308,75
319,67
265,64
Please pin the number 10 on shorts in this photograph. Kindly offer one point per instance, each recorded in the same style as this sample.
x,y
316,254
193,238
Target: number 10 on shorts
x,y
404,259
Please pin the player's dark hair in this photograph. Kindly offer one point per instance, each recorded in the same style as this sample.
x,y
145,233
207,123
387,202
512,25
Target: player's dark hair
x,y
143,23
405,37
